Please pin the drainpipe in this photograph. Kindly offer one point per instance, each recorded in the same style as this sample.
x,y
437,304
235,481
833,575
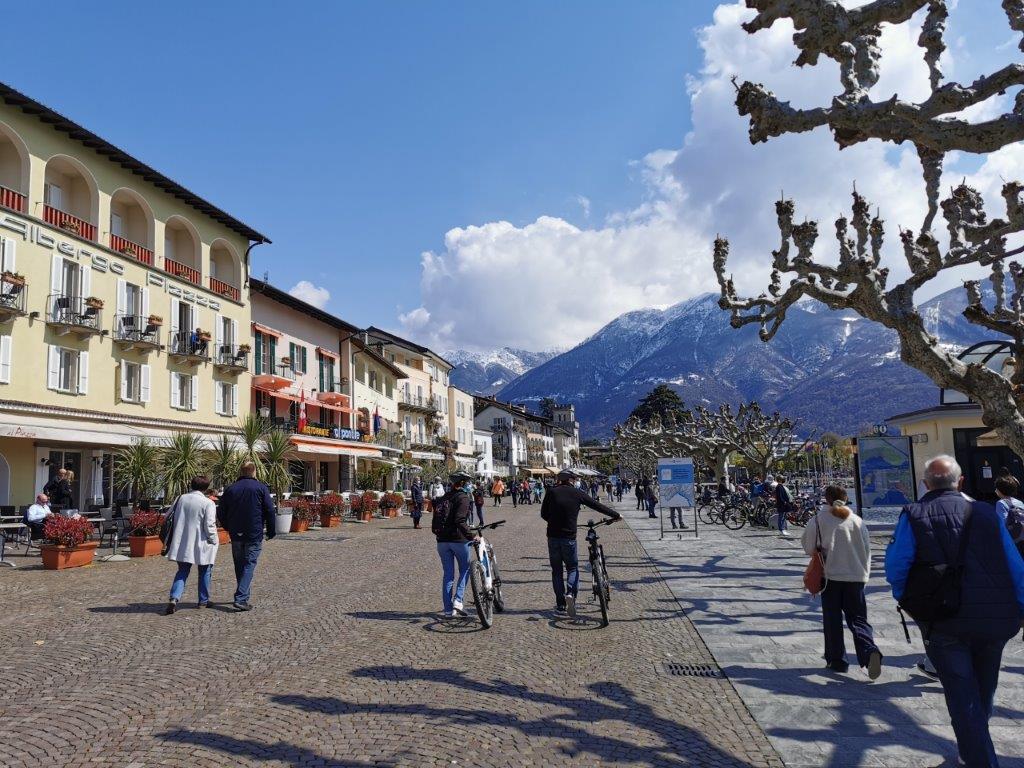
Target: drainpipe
x,y
245,260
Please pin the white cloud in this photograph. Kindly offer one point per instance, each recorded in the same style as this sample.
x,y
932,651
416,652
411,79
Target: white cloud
x,y
310,293
550,283
584,203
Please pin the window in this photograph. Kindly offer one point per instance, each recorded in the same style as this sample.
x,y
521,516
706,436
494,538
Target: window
x,y
373,380
266,350
297,352
53,196
116,225
184,392
225,398
408,426
135,382
68,370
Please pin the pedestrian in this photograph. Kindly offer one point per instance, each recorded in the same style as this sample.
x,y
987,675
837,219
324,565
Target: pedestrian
x,y
193,541
437,491
651,499
640,495
453,538
246,512
497,490
941,531
417,501
673,512
512,492
560,510
58,489
538,490
783,505
618,489
1009,505
846,549
478,502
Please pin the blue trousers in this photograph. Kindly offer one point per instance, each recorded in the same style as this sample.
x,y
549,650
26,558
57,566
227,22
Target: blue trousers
x,y
245,554
968,669
452,552
562,556
782,514
846,599
178,585
480,512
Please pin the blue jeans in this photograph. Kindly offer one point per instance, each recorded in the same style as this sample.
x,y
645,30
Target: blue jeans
x,y
562,554
783,512
480,512
245,554
652,504
178,585
450,552
968,669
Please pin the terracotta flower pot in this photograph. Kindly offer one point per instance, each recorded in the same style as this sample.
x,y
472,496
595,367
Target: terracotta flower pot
x,y
391,511
144,546
57,558
366,515
223,537
299,526
327,520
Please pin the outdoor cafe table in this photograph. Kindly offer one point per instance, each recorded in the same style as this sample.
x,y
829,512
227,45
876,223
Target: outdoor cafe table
x,y
4,528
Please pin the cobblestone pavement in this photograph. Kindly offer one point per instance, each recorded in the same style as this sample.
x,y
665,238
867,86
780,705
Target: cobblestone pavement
x,y
743,591
343,663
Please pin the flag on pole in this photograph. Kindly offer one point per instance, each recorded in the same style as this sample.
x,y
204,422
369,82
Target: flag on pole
x,y
302,412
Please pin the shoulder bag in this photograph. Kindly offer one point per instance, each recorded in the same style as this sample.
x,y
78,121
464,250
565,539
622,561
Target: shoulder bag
x,y
814,573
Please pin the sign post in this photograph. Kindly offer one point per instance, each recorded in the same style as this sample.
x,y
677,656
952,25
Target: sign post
x,y
676,490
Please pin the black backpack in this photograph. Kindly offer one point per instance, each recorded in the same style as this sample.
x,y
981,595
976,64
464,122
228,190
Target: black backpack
x,y
934,590
444,514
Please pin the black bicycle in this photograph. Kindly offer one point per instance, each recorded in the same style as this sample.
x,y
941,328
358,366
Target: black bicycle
x,y
599,573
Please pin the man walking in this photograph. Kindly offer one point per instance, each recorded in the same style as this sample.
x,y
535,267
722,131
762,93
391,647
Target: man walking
x,y
417,501
561,510
246,510
944,528
640,494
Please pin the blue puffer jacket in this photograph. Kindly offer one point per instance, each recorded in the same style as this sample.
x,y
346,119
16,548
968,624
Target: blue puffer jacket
x,y
929,532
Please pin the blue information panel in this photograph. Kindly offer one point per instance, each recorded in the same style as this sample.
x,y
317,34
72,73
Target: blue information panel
x,y
885,476
675,481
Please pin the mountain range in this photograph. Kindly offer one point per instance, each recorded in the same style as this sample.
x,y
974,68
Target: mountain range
x,y
485,373
829,370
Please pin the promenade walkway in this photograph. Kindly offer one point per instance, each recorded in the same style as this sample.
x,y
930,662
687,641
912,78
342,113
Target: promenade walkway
x,y
743,592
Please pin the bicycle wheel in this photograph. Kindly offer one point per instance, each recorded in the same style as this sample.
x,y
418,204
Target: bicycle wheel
x,y
705,514
604,574
499,601
734,518
600,590
484,604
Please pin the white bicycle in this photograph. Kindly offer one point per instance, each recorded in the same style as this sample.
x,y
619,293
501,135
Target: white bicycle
x,y
484,577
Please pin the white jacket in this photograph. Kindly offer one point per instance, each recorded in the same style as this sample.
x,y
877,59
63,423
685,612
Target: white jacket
x,y
846,544
195,530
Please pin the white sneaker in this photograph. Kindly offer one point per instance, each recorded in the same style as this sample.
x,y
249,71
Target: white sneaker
x,y
570,605
458,613
784,534
457,605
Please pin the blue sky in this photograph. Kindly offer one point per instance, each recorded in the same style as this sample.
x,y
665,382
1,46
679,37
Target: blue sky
x,y
356,134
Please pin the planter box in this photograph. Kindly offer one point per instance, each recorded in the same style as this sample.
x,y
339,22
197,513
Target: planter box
x,y
328,520
299,526
145,546
366,516
223,537
57,558
284,523
391,512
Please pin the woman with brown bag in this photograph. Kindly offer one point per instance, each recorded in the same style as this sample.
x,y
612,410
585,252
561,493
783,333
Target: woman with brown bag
x,y
841,539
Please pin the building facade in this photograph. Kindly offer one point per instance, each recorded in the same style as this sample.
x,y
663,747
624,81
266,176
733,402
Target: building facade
x,y
508,428
483,447
461,426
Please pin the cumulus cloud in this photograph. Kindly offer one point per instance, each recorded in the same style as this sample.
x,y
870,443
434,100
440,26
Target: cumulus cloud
x,y
310,293
550,283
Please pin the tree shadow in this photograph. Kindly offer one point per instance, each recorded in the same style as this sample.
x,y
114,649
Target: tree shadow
x,y
154,608
262,751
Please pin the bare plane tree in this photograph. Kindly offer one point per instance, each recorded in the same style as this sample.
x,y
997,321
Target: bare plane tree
x,y
859,281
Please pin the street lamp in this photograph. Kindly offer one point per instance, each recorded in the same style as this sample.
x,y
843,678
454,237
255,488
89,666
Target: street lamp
x,y
264,411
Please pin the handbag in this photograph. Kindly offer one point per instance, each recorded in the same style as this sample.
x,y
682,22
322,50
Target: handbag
x,y
167,528
814,573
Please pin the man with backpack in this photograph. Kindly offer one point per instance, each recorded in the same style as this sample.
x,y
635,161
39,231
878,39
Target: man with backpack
x,y
450,524
1011,508
954,568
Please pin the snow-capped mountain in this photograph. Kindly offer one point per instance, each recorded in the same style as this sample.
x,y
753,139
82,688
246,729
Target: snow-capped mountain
x,y
830,370
486,372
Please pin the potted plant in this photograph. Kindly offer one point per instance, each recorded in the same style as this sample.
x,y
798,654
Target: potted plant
x,y
155,320
284,517
245,349
390,503
14,278
368,505
94,302
332,507
126,250
144,533
67,543
286,362
71,226
304,512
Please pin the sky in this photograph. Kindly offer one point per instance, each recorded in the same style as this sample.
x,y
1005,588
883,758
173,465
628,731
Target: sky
x,y
482,174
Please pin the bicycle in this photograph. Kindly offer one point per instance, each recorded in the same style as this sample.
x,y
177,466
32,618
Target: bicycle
x,y
599,572
484,578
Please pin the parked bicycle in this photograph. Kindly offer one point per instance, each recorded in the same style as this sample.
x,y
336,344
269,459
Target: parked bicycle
x,y
598,570
484,578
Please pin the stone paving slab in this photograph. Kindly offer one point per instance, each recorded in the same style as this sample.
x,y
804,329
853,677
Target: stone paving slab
x,y
345,662
743,592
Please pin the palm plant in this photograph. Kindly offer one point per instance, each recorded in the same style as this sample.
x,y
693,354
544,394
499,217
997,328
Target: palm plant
x,y
137,469
223,461
252,431
275,454
182,459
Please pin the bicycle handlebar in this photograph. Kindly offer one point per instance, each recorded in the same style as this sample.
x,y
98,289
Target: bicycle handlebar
x,y
606,521
485,527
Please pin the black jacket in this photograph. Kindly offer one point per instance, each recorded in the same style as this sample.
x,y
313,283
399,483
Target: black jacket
x,y
246,510
458,516
561,510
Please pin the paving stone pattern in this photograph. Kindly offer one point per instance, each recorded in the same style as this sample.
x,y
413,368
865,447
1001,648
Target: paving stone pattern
x,y
743,591
343,663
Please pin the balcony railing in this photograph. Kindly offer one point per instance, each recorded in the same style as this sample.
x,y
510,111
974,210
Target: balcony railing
x,y
12,201
416,401
73,313
136,330
234,357
12,295
183,271
189,344
224,289
69,223
126,247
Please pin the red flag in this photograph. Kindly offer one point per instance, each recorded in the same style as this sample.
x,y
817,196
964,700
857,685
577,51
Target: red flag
x,y
302,412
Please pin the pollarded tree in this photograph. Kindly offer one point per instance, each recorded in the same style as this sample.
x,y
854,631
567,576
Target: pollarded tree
x,y
858,281
764,439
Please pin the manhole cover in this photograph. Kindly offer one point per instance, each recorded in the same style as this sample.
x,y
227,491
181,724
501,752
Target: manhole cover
x,y
690,670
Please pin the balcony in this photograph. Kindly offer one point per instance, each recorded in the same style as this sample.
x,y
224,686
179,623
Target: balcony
x,y
232,358
224,289
332,395
13,201
73,315
183,271
12,296
415,402
126,247
69,223
283,377
189,347
137,331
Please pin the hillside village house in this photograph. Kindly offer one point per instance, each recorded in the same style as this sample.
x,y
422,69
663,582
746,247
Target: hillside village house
x,y
123,305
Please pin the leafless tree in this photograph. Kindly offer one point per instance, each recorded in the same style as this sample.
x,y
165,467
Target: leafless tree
x,y
859,281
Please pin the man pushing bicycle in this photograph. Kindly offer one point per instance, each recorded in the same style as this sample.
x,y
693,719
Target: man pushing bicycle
x,y
560,510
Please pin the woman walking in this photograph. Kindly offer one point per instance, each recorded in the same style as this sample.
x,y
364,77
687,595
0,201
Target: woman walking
x,y
193,541
846,548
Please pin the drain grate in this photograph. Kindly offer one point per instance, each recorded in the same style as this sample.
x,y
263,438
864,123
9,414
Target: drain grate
x,y
690,670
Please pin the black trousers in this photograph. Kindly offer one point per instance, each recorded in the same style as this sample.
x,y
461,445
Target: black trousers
x,y
846,599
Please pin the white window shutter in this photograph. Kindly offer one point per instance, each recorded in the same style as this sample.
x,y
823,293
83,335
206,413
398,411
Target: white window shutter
x,y
86,280
218,398
218,331
174,317
53,368
145,302
83,373
234,400
234,332
5,359
144,383
56,274
175,391
124,381
122,296
8,253
194,387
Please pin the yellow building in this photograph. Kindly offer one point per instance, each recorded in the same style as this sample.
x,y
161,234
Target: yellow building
x,y
123,306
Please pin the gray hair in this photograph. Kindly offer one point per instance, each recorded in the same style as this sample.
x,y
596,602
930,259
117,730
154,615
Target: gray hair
x,y
942,473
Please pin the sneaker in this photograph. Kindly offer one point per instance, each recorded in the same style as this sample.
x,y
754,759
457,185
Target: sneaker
x,y
560,609
570,605
784,534
874,665
172,606
458,613
924,667
457,605
240,607
203,605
